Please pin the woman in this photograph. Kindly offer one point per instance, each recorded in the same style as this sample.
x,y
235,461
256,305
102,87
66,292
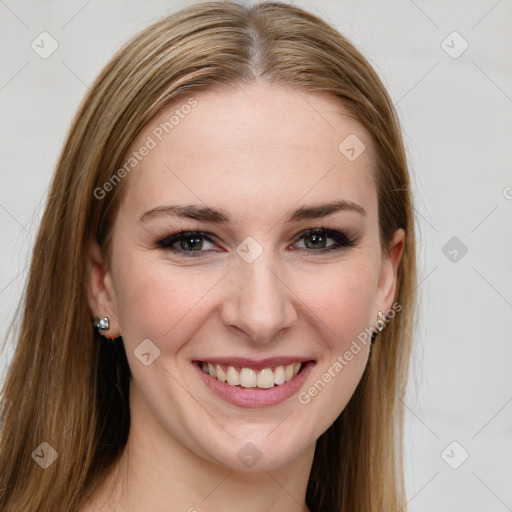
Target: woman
x,y
221,300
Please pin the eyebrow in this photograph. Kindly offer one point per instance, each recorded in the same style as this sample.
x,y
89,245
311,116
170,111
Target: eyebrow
x,y
207,214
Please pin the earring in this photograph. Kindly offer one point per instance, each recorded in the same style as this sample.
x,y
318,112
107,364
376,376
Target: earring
x,y
101,324
379,324
380,321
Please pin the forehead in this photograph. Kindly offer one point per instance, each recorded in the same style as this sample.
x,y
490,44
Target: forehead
x,y
255,147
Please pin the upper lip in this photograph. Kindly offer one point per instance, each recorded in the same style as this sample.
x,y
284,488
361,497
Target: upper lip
x,y
256,364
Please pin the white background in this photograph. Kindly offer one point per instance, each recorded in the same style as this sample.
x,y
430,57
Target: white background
x,y
457,122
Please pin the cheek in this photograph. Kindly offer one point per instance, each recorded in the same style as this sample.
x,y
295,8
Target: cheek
x,y
341,304
159,301
341,297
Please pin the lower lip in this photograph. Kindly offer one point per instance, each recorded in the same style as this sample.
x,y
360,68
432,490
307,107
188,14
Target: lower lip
x,y
256,397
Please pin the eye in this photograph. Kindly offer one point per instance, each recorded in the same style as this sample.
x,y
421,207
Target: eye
x,y
317,240
187,241
313,241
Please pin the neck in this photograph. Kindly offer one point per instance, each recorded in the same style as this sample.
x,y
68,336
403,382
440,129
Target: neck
x,y
156,471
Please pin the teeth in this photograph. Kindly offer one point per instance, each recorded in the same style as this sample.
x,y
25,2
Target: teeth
x,y
279,375
249,378
221,374
233,377
265,378
212,371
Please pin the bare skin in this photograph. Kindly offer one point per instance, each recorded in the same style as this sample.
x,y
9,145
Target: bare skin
x,y
257,154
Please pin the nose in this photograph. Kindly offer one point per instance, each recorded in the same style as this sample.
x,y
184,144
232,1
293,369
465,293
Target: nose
x,y
258,301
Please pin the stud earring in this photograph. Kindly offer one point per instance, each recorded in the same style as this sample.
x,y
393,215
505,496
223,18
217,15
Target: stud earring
x,y
101,324
379,324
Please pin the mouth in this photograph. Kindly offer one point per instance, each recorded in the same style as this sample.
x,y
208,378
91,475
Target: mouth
x,y
250,383
246,377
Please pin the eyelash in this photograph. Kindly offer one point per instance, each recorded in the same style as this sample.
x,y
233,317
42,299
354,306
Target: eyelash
x,y
341,241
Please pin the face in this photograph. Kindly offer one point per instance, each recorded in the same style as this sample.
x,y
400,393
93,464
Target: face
x,y
237,331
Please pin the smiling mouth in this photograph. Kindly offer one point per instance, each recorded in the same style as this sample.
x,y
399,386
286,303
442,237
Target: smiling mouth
x,y
265,378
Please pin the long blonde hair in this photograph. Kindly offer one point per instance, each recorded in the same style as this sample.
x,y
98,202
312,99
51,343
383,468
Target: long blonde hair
x,y
66,387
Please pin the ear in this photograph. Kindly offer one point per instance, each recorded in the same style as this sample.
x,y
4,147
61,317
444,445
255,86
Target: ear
x,y
101,291
388,273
